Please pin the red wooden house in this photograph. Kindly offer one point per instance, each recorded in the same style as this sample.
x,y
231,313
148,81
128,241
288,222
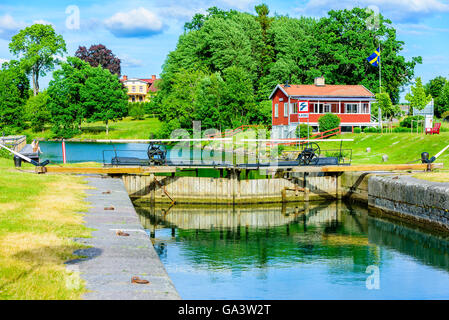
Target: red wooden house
x,y
352,103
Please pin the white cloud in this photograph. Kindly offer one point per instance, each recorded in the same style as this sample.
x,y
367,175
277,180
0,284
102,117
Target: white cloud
x,y
418,29
44,22
9,27
2,61
138,23
396,10
129,62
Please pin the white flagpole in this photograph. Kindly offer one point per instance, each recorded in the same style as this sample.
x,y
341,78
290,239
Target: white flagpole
x,y
380,88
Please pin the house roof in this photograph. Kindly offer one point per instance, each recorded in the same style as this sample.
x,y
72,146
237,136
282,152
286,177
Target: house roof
x,y
305,90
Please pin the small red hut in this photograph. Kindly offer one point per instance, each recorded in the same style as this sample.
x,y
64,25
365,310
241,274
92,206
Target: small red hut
x,y
295,104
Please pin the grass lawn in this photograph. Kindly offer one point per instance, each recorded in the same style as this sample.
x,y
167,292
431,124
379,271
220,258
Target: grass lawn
x,y
433,176
399,147
123,129
39,214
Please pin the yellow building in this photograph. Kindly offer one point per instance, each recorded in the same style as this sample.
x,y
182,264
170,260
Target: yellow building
x,y
140,90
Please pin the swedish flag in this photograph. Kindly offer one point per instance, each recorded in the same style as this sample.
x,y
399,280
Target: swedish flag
x,y
374,58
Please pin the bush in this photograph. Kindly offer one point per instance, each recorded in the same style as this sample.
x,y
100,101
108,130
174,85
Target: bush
x,y
328,121
5,154
165,131
136,110
407,121
357,130
301,131
401,129
371,130
37,112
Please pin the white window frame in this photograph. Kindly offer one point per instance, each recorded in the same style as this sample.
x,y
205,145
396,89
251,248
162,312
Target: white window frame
x,y
276,110
367,111
292,108
285,109
351,109
329,106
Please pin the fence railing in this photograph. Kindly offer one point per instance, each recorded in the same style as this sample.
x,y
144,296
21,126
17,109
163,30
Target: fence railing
x,y
15,143
319,135
233,132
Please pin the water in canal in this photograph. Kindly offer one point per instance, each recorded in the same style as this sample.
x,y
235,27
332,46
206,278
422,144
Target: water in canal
x,y
316,251
104,152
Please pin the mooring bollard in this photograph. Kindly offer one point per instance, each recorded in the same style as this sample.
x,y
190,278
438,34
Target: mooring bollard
x,y
17,162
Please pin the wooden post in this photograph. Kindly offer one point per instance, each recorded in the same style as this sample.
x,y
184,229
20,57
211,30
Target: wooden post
x,y
152,186
338,186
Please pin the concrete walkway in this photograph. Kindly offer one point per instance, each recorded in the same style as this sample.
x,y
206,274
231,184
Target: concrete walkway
x,y
112,260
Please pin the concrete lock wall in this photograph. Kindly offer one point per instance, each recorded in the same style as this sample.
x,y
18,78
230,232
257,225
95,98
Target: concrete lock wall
x,y
407,198
231,189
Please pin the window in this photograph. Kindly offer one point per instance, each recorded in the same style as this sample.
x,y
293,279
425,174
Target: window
x,y
365,108
133,89
141,89
327,108
317,107
351,107
293,108
276,110
285,109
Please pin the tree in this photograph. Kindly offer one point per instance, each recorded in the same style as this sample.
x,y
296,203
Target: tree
x,y
64,98
389,110
97,55
136,110
344,40
418,98
443,101
103,96
238,96
435,88
14,87
37,111
37,46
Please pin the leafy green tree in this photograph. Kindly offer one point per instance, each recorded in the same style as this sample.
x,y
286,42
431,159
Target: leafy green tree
x,y
265,51
418,98
238,96
435,88
37,47
14,87
389,110
443,100
37,111
344,40
208,102
103,96
136,110
64,98
260,113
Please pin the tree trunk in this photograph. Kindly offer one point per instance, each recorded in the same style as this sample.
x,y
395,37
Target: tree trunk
x,y
35,77
107,128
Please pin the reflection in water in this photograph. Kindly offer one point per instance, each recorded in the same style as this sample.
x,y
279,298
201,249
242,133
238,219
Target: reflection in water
x,y
302,251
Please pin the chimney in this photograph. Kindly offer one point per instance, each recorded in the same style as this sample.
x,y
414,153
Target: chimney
x,y
153,77
319,82
125,78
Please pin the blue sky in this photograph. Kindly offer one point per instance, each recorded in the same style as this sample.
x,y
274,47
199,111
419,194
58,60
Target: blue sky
x,y
141,33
